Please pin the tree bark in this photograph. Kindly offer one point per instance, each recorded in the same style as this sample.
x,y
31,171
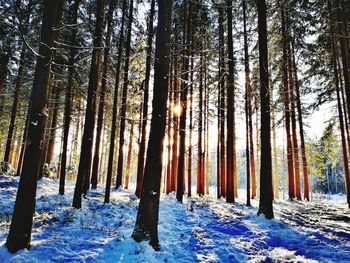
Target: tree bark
x,y
142,149
84,170
231,151
291,188
147,214
115,106
124,98
265,204
106,55
68,98
22,218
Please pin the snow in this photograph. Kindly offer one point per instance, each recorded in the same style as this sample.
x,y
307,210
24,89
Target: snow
x,y
199,230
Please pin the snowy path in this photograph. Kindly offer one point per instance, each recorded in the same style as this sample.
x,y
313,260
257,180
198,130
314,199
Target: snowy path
x,y
213,232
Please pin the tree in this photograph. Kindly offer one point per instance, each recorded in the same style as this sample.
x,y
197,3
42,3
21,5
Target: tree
x,y
265,204
184,91
115,106
147,215
106,55
291,187
141,156
83,178
231,151
73,15
22,218
124,98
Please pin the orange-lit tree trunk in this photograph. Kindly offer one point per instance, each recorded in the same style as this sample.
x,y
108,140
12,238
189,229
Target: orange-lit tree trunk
x,y
294,122
128,159
175,130
124,98
301,129
291,188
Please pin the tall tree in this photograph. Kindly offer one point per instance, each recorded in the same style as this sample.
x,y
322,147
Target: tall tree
x,y
231,151
146,227
106,55
301,128
247,97
84,170
341,118
115,105
124,97
183,99
24,29
21,224
73,16
142,150
265,204
291,188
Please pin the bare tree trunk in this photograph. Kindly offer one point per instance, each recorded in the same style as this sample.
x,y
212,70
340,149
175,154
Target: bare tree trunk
x,y
128,159
84,170
146,227
265,204
301,129
231,154
341,120
291,188
115,106
68,99
22,218
106,55
142,149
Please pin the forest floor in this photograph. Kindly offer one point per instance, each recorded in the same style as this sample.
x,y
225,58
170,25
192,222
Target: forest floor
x,y
213,231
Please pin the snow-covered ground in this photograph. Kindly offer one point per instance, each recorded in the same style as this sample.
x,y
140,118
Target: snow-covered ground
x,y
213,231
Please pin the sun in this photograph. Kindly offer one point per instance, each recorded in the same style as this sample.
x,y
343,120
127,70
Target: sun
x,y
177,109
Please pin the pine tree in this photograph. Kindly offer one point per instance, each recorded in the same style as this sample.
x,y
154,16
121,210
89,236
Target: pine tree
x,y
22,218
147,215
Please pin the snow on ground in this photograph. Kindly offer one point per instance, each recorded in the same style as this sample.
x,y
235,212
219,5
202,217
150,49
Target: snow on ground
x,y
213,231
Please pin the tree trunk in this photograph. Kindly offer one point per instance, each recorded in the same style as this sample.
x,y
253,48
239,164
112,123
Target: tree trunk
x,y
341,120
142,149
146,227
231,151
265,204
22,218
106,55
128,159
247,97
18,84
68,99
200,128
115,107
222,67
291,189
84,170
124,98
301,129
183,99
294,122
52,132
